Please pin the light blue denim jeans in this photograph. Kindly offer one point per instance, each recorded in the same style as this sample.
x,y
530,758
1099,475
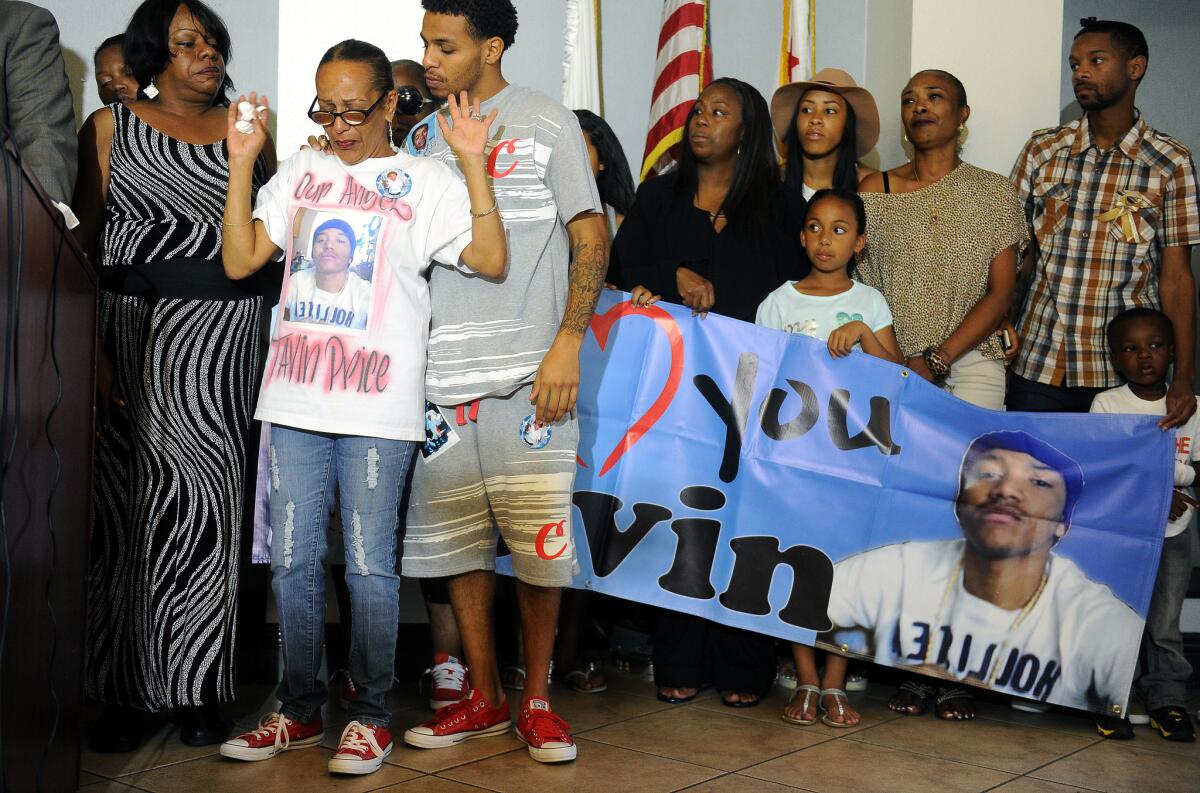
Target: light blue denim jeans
x,y
369,474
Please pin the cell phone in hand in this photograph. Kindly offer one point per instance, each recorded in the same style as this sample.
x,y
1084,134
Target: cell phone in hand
x,y
1005,340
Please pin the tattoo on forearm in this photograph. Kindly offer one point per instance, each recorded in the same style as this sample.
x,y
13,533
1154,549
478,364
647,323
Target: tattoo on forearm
x,y
589,265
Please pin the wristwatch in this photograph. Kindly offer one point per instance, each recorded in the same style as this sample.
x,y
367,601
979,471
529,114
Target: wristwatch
x,y
936,362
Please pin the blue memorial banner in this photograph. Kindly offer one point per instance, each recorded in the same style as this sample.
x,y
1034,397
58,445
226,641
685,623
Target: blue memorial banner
x,y
743,475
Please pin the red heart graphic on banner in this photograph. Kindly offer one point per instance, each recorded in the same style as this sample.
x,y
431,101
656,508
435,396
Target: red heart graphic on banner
x,y
601,324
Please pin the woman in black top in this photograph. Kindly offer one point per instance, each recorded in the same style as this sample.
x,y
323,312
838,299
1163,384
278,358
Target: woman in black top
x,y
720,232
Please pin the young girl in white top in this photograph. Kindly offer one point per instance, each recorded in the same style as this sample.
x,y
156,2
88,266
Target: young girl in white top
x,y
827,304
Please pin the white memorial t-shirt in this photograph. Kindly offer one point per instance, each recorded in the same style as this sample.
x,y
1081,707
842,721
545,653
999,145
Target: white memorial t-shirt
x,y
1075,644
353,363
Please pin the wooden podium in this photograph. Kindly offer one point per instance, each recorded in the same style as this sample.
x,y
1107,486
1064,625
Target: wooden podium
x,y
47,371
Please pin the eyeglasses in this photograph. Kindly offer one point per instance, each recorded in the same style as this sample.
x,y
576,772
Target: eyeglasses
x,y
353,118
408,101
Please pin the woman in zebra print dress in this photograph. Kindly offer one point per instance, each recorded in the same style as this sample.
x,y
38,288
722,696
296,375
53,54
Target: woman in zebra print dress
x,y
181,356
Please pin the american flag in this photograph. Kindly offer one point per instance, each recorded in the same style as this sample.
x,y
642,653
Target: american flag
x,y
797,55
682,69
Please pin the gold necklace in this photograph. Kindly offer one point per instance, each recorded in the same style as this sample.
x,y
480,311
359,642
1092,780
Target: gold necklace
x,y
1020,618
712,216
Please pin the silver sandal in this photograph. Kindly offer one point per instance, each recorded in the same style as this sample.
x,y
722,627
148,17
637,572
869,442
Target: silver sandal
x,y
578,679
839,696
921,691
948,695
809,692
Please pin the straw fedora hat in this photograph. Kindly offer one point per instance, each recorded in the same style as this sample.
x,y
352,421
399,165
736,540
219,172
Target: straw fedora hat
x,y
783,105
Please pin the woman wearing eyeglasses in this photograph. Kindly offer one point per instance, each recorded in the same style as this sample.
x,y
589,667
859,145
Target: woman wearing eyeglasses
x,y
344,381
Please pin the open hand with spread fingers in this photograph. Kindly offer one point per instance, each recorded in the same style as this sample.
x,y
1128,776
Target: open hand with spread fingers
x,y
466,131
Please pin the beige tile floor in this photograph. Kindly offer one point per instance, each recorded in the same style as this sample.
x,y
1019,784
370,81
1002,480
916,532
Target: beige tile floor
x,y
628,741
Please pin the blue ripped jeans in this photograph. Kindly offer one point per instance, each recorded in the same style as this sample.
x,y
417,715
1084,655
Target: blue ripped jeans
x,y
369,474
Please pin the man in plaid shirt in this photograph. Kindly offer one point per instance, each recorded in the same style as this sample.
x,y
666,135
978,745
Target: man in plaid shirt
x,y
1112,209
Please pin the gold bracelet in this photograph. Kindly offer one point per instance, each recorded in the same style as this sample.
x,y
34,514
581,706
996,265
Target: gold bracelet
x,y
236,225
478,215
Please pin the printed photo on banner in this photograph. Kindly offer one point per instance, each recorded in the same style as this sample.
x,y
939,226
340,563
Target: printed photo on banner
x,y
997,606
842,503
331,269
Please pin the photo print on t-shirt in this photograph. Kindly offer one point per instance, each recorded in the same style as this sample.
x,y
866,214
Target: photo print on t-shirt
x,y
331,269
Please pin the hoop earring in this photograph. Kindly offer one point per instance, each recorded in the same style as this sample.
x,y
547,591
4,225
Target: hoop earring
x,y
150,90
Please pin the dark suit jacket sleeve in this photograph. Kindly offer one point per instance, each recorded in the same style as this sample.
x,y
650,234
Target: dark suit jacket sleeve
x,y
38,107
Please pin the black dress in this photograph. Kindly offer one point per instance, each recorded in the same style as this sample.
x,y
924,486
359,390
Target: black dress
x,y
169,468
661,233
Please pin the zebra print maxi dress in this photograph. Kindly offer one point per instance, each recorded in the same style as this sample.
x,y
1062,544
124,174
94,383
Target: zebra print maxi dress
x,y
169,467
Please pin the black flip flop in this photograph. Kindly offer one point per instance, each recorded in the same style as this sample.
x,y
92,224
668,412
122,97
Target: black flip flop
x,y
675,700
739,704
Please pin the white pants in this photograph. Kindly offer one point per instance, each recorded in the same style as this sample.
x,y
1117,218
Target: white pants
x,y
977,380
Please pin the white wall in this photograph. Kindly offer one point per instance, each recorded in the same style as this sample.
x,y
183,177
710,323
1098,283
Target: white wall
x,y
307,28
83,24
888,67
1008,56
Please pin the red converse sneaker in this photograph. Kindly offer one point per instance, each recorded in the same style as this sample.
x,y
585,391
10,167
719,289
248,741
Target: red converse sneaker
x,y
546,734
361,749
447,681
276,733
473,717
